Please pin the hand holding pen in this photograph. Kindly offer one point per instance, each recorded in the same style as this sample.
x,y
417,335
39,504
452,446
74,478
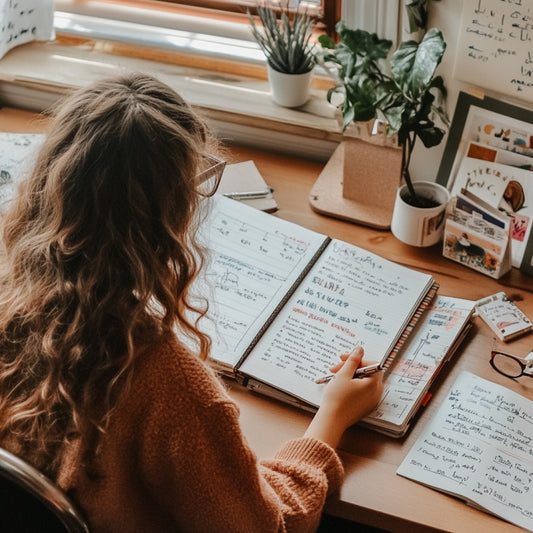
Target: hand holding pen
x,y
361,372
345,400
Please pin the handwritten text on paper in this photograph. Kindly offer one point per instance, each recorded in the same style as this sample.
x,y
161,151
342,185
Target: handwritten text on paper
x,y
338,306
252,265
422,354
494,46
479,446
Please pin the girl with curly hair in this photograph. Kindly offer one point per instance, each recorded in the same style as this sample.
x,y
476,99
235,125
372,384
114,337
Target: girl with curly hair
x,y
97,387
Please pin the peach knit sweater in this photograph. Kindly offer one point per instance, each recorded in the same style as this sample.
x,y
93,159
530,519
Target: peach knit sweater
x,y
174,460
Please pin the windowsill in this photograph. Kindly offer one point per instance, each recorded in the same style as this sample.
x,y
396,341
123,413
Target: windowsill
x,y
35,75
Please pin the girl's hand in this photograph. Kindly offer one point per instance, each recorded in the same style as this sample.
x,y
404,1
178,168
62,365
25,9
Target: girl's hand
x,y
346,400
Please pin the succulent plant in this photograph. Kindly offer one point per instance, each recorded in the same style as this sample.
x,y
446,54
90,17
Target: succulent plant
x,y
285,38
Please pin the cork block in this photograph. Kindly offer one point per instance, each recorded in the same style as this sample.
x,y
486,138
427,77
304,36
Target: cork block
x,y
359,184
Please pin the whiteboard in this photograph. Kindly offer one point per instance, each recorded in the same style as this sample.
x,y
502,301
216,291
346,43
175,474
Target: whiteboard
x,y
495,46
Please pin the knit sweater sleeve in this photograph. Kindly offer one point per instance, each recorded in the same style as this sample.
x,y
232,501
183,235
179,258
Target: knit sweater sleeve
x,y
302,474
211,479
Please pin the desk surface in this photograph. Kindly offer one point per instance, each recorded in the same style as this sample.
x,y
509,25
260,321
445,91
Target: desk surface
x,y
372,492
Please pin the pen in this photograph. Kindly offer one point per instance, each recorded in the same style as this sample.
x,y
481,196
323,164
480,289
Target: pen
x,y
359,373
249,195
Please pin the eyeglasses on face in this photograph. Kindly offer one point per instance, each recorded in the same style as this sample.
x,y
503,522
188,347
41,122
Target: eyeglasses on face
x,y
510,365
209,178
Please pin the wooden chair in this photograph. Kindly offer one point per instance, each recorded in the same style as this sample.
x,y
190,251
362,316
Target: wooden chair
x,y
30,502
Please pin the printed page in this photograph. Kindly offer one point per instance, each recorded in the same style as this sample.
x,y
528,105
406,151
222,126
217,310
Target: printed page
x,y
484,179
350,297
255,258
420,358
479,446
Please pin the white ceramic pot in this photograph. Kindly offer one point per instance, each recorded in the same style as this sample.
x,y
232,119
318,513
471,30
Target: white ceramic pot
x,y
289,90
420,226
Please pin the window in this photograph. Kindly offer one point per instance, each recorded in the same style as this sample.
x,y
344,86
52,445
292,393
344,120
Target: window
x,y
94,19
327,11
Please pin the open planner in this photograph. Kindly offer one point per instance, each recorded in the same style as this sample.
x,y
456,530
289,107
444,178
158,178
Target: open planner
x,y
286,302
478,447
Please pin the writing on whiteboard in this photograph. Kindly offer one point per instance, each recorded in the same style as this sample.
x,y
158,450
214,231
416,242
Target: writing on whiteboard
x,y
497,37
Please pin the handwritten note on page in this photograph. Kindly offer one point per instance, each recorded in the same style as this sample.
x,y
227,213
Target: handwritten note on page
x,y
350,297
417,364
479,446
17,152
255,258
24,21
494,46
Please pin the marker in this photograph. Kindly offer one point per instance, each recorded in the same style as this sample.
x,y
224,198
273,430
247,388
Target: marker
x,y
249,195
359,373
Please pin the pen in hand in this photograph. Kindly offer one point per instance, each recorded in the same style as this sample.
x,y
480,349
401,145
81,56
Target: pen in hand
x,y
359,373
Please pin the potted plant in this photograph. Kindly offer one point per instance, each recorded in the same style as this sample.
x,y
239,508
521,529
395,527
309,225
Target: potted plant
x,y
285,39
402,91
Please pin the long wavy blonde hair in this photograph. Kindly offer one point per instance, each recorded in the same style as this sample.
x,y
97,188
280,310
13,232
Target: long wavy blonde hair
x,y
98,258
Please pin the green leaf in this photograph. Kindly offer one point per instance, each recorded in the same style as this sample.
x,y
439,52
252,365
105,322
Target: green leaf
x,y
416,15
413,64
393,117
327,42
285,41
429,134
363,43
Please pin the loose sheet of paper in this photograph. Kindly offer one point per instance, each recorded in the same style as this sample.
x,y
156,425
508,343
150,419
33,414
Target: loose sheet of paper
x,y
422,354
17,153
24,21
479,446
503,316
350,297
255,260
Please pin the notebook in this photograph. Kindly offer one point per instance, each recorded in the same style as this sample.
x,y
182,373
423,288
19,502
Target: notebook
x,y
408,381
286,301
478,447
244,182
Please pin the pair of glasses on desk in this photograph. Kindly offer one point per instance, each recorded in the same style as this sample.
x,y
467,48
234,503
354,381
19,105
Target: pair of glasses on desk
x,y
510,365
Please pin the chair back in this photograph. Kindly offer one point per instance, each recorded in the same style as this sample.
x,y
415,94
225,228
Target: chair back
x,y
30,502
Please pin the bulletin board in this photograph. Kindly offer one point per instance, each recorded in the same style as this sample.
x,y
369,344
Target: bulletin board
x,y
495,46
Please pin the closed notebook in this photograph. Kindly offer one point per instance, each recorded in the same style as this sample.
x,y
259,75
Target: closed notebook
x,y
244,181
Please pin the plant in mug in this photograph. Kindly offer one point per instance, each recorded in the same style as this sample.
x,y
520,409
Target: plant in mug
x,y
401,90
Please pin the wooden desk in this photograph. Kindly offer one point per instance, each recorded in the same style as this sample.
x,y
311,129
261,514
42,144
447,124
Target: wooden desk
x,y
372,492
